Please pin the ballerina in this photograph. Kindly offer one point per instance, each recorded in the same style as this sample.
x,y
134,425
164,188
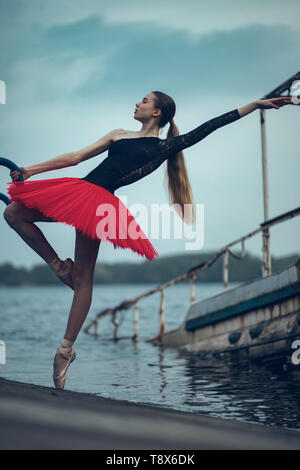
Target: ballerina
x,y
78,201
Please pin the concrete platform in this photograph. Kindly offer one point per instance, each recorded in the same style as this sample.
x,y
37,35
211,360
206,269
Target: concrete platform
x,y
35,417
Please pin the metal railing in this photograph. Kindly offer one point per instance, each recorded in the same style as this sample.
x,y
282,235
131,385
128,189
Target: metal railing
x,y
285,89
12,166
191,274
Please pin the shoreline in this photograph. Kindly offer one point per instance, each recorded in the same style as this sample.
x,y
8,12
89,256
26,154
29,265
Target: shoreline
x,y
37,417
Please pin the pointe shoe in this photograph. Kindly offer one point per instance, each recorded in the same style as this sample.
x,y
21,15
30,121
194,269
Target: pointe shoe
x,y
65,272
60,379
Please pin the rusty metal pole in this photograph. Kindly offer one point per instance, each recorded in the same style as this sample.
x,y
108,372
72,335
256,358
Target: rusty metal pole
x,y
161,313
115,321
136,322
225,270
266,267
192,281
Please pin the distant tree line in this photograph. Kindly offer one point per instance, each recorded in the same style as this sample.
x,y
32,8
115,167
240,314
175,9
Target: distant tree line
x,y
157,271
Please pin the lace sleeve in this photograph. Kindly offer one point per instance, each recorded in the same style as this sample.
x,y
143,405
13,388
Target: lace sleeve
x,y
174,145
146,155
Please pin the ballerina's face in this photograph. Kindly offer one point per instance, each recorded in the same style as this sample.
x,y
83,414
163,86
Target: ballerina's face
x,y
145,109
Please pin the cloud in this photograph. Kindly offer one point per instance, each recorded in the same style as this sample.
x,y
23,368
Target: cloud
x,y
49,78
90,59
194,16
73,74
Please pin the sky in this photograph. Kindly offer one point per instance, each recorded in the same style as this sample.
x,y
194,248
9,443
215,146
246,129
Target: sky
x,y
75,70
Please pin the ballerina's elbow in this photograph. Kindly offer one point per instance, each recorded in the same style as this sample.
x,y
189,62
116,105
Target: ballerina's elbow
x,y
76,159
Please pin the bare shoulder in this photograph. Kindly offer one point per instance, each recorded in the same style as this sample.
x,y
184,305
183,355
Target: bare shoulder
x,y
123,134
117,134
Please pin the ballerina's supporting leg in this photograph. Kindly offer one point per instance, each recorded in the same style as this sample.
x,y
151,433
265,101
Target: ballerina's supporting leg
x,y
86,252
21,218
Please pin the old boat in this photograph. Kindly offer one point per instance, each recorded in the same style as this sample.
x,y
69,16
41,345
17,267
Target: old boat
x,y
260,317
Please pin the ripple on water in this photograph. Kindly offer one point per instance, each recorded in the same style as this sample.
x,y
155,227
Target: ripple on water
x,y
253,391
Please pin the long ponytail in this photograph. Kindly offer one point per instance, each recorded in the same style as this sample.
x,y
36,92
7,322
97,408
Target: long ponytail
x,y
180,191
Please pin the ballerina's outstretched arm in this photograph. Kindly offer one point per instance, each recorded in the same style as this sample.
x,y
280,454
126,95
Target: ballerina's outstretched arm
x,y
173,145
67,159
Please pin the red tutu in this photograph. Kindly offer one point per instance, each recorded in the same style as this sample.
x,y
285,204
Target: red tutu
x,y
89,208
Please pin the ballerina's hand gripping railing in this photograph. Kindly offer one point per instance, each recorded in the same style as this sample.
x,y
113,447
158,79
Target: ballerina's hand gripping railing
x,y
12,166
191,274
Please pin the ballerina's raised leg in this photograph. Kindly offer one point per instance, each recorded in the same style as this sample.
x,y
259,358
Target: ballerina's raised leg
x,y
21,219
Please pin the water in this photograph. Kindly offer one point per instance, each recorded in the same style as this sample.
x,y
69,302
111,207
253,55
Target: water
x,y
33,321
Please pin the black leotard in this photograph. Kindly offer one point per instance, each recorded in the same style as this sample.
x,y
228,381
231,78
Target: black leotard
x,y
131,159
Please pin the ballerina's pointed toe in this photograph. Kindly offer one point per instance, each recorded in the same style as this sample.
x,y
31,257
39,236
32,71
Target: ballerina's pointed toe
x,y
60,379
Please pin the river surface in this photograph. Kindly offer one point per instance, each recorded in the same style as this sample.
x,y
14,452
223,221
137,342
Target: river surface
x,y
33,321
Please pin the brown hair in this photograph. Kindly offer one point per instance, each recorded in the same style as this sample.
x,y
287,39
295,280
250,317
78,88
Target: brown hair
x,y
180,191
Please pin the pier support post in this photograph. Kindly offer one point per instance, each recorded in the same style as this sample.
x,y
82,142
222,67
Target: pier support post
x,y
136,322
225,270
192,279
266,267
115,321
96,328
161,313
